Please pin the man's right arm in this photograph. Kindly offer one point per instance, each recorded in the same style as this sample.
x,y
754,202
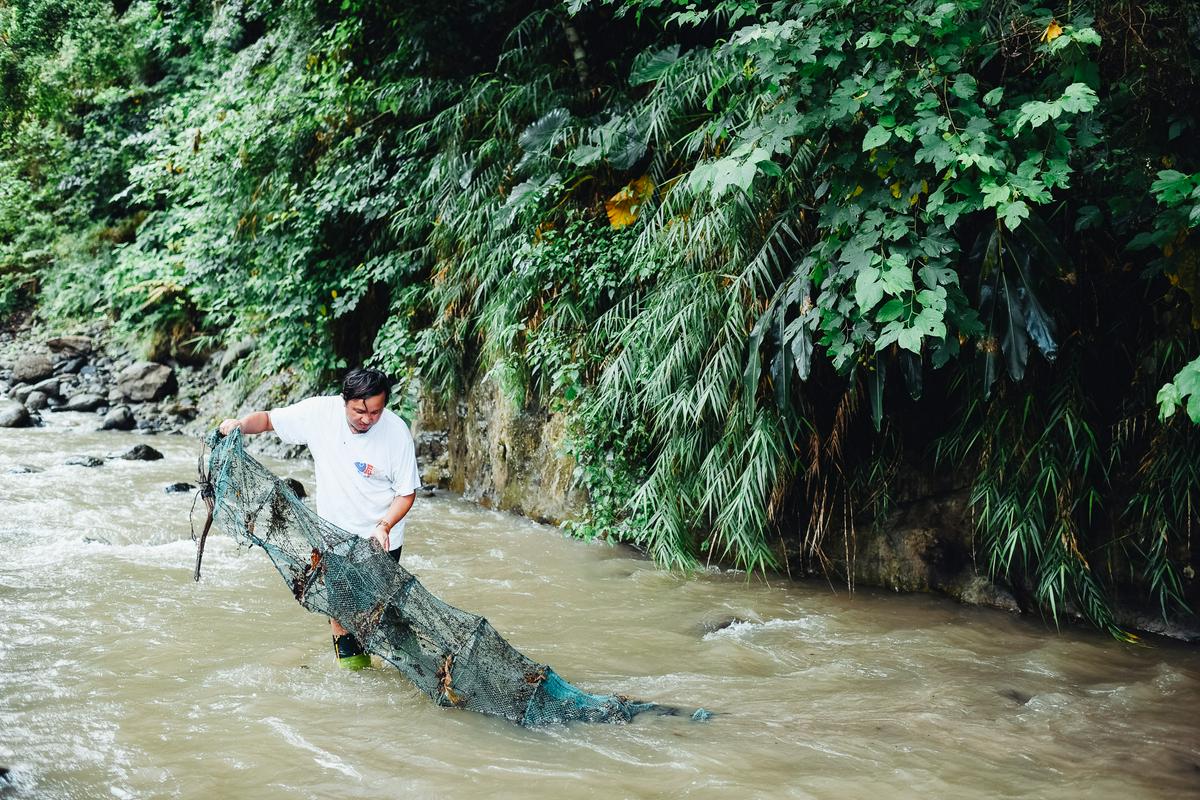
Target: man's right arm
x,y
254,422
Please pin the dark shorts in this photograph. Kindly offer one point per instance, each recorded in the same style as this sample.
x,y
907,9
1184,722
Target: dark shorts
x,y
395,554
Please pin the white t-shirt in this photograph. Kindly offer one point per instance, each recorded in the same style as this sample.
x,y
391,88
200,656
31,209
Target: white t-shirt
x,y
358,474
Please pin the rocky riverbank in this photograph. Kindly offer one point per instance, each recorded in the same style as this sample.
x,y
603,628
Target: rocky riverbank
x,y
43,373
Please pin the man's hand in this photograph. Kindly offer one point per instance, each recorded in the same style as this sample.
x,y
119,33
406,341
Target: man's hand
x,y
381,534
252,423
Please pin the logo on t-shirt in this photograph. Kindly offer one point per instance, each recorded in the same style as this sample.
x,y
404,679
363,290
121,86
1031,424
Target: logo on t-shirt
x,y
366,470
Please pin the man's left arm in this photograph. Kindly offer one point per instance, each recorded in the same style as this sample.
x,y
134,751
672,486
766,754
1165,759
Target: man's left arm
x,y
395,512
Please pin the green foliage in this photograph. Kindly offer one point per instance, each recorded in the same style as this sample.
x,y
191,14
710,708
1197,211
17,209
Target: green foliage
x,y
536,322
1184,388
719,237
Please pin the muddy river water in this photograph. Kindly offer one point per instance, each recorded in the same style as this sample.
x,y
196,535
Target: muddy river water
x,y
120,677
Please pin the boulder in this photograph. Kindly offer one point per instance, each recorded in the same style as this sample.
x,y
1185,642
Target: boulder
x,y
141,452
48,387
118,419
146,380
36,401
84,402
20,392
32,367
68,387
14,415
68,366
71,345
178,487
296,486
21,469
84,461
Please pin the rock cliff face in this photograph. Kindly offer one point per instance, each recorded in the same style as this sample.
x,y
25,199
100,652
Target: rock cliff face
x,y
498,455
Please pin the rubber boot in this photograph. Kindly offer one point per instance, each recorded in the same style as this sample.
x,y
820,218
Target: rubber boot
x,y
349,652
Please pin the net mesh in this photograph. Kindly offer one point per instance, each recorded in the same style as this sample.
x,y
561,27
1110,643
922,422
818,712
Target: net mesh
x,y
455,657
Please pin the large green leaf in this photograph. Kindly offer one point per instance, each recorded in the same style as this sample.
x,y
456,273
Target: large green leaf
x,y
540,136
650,65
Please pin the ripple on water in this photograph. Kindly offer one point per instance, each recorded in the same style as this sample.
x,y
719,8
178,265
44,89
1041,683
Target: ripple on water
x,y
119,676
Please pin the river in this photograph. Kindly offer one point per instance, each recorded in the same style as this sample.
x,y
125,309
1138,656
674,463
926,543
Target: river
x,y
120,677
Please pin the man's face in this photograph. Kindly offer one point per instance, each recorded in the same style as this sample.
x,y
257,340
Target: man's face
x,y
362,413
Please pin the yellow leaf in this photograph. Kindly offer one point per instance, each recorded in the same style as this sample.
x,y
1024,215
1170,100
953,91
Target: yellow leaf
x,y
895,187
1052,32
334,293
624,206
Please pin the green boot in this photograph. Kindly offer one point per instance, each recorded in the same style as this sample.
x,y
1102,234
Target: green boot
x,y
349,652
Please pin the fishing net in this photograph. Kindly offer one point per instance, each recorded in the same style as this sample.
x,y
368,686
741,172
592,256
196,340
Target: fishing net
x,y
455,657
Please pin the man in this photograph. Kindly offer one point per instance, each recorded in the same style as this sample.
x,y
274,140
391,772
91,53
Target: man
x,y
366,468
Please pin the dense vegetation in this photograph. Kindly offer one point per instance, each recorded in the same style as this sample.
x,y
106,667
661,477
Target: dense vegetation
x,y
770,258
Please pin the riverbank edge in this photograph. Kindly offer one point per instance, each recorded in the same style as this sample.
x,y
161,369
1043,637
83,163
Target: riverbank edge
x,y
485,448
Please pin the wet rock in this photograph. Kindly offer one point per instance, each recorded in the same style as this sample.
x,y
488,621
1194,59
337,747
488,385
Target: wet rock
x,y
49,387
118,419
21,469
84,402
68,366
36,401
115,396
146,380
96,540
979,591
178,487
1020,698
235,354
20,392
14,415
54,402
71,345
296,486
32,367
140,452
87,371
714,625
83,461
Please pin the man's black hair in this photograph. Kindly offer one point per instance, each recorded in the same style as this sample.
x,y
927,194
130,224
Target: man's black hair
x,y
363,382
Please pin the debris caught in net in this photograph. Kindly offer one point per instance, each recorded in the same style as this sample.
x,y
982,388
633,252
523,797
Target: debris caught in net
x,y
455,657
